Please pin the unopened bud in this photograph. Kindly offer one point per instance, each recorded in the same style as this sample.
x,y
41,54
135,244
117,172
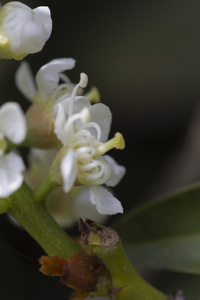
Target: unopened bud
x,y
23,30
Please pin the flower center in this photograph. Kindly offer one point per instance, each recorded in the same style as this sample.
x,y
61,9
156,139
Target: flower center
x,y
93,168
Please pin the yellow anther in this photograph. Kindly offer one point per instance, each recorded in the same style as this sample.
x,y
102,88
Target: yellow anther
x,y
116,142
93,95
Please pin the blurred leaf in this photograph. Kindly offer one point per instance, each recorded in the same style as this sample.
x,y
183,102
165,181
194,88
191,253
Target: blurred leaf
x,y
169,282
165,233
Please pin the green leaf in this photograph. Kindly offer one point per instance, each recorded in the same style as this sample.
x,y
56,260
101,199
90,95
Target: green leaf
x,y
165,233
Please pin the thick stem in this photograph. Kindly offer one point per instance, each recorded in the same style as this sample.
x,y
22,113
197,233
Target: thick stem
x,y
125,280
40,225
105,243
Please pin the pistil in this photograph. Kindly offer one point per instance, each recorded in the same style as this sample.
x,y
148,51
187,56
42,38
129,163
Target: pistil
x,y
116,142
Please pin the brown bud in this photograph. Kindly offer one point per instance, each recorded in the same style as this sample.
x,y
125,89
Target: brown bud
x,y
40,125
81,271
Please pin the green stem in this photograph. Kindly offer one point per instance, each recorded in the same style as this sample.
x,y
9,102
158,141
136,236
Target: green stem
x,y
52,180
40,225
124,276
105,243
44,188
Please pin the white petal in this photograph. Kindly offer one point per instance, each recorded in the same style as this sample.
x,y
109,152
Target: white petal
x,y
47,77
119,171
80,103
43,157
105,202
12,122
69,170
25,81
83,208
101,115
60,124
11,178
42,16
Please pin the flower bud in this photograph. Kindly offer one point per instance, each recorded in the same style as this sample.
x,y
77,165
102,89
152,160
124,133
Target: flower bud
x,y
40,128
23,30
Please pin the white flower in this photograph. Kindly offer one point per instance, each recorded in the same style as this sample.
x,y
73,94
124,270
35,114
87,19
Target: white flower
x,y
84,162
12,124
65,208
46,83
23,30
68,208
44,92
11,178
13,127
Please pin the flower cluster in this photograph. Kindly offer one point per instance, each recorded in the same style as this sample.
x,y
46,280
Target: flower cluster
x,y
60,118
81,128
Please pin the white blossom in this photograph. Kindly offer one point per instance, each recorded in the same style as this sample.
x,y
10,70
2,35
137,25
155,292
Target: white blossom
x,y
46,83
65,208
12,127
84,162
12,124
23,30
11,178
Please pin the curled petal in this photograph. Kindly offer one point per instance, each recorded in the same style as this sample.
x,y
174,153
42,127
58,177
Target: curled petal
x,y
25,81
118,170
68,170
101,114
60,124
11,178
12,122
47,77
105,202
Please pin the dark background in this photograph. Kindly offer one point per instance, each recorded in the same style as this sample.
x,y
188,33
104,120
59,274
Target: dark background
x,y
144,57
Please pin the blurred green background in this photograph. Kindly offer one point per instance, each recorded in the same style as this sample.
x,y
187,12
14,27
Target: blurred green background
x,y
144,58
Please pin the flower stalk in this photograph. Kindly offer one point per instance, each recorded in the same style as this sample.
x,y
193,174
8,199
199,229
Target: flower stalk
x,y
40,225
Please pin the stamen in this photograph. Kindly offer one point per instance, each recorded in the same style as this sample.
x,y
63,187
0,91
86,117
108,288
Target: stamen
x,y
84,80
93,95
116,142
95,126
64,78
85,115
69,128
82,83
